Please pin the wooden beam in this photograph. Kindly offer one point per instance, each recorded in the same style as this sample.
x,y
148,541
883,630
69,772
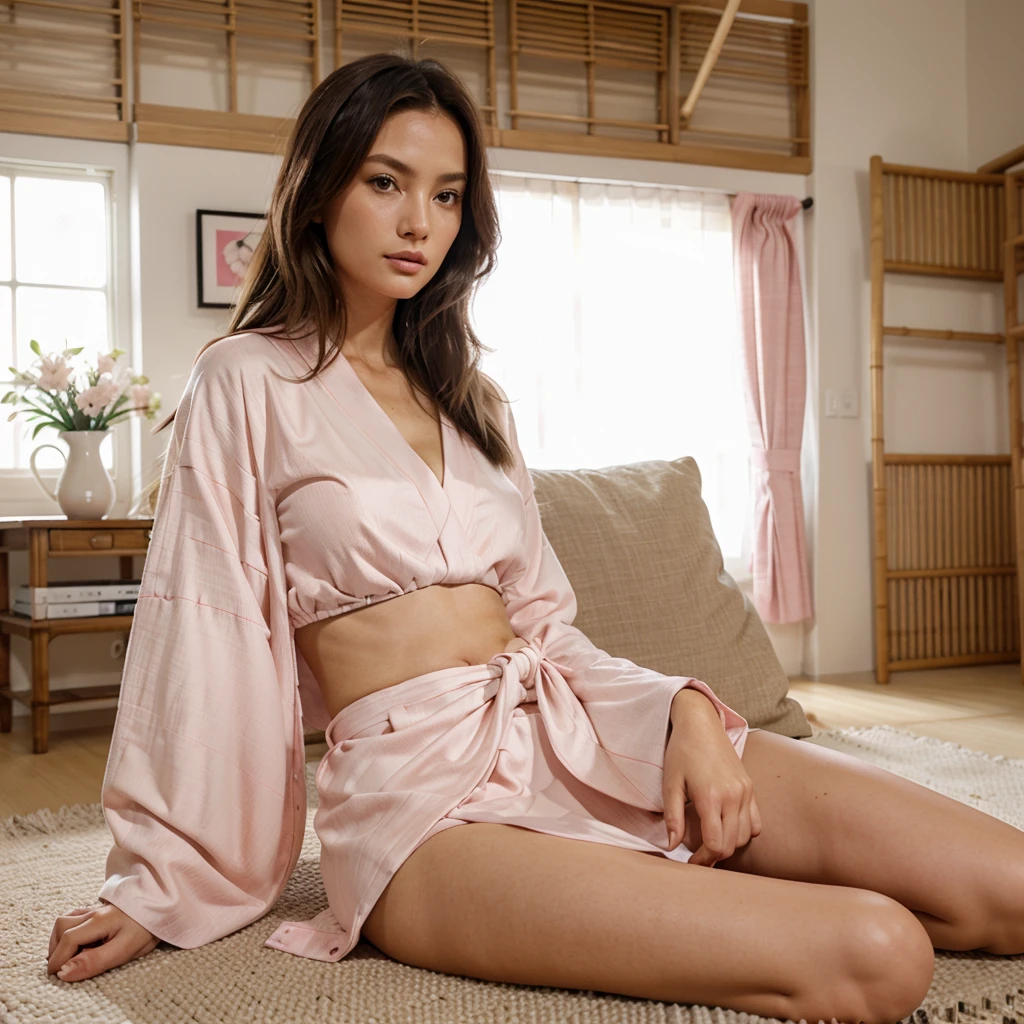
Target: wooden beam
x,y
710,59
1004,162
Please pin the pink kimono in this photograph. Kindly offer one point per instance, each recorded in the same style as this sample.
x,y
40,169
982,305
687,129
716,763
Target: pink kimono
x,y
282,504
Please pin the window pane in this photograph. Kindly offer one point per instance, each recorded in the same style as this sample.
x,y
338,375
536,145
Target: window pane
x,y
60,232
5,229
7,347
54,316
51,315
612,314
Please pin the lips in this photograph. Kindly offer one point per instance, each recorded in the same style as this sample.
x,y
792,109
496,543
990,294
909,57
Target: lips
x,y
406,266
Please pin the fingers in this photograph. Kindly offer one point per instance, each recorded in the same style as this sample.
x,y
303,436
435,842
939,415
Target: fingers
x,y
73,935
112,953
755,817
674,799
726,823
63,923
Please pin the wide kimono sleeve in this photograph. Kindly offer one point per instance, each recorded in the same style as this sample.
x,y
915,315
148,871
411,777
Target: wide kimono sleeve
x,y
629,705
199,791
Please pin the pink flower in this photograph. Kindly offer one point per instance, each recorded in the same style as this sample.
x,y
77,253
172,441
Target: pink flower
x,y
55,374
140,398
94,400
105,363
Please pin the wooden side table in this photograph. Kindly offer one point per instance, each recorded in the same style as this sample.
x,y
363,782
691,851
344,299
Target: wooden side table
x,y
58,537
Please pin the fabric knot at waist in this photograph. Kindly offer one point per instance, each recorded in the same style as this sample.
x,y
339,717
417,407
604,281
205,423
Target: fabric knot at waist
x,y
525,658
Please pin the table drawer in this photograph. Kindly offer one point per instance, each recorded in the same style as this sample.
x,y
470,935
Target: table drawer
x,y
99,540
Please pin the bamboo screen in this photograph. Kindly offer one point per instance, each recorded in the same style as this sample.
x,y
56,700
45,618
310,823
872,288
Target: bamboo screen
x,y
270,39
608,77
943,222
458,31
945,559
62,69
952,586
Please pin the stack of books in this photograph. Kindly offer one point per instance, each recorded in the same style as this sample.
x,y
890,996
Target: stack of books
x,y
77,599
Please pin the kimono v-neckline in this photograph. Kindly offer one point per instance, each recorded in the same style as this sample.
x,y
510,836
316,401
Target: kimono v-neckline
x,y
365,396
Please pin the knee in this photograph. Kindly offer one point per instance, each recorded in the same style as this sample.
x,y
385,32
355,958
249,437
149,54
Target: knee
x,y
890,961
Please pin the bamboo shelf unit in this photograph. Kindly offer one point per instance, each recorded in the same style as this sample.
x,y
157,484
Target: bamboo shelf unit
x,y
945,558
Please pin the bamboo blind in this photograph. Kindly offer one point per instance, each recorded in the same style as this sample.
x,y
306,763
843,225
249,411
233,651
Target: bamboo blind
x,y
279,34
770,56
945,556
764,62
462,25
635,60
952,585
943,222
62,69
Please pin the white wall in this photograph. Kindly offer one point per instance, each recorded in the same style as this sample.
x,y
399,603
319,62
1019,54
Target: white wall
x,y
995,116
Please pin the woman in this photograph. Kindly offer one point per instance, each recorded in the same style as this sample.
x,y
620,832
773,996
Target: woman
x,y
387,484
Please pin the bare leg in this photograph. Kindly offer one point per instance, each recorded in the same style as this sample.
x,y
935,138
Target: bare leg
x,y
505,903
830,818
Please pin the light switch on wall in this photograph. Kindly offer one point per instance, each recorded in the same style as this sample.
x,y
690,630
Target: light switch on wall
x,y
848,403
831,402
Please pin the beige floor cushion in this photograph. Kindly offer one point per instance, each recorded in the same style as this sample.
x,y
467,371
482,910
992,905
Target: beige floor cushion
x,y
637,545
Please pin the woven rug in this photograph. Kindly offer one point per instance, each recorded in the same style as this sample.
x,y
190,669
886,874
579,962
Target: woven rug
x,y
51,861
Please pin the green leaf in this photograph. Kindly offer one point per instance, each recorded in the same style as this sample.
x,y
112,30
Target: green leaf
x,y
117,405
35,405
75,351
34,345
63,412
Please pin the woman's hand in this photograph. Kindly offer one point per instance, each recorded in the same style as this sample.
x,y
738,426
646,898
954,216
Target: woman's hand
x,y
702,768
91,940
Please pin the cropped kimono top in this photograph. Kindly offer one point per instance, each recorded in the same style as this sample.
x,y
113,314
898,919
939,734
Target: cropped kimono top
x,y
362,518
282,503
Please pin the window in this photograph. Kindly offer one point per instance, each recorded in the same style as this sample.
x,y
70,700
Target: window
x,y
613,319
55,284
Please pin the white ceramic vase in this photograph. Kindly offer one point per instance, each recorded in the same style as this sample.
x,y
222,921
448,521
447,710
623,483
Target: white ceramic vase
x,y
84,487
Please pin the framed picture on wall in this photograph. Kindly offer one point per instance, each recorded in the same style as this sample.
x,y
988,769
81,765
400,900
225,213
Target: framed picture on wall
x,y
225,243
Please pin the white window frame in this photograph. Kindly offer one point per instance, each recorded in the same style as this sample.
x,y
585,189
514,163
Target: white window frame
x,y
108,163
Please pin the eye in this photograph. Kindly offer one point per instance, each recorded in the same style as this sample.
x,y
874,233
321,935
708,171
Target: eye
x,y
388,180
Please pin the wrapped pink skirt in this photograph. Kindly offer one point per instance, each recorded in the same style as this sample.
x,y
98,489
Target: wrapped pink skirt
x,y
505,742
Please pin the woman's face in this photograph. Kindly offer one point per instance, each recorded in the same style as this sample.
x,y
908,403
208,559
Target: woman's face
x,y
407,196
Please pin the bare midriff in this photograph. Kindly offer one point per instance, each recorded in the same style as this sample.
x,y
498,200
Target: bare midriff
x,y
366,650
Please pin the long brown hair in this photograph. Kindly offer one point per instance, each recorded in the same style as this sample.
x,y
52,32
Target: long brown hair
x,y
291,280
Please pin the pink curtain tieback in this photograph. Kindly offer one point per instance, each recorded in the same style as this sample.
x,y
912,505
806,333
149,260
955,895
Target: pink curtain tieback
x,y
776,460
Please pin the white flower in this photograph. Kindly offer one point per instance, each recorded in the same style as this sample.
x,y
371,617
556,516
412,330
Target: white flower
x,y
55,374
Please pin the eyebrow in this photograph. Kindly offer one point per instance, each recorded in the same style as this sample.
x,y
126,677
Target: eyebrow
x,y
395,164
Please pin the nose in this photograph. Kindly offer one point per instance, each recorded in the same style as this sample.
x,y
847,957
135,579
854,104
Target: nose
x,y
415,219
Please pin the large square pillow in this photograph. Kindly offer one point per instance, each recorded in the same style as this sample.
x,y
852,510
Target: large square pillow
x,y
637,545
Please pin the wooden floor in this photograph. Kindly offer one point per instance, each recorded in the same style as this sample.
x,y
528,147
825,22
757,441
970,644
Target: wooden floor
x,y
981,708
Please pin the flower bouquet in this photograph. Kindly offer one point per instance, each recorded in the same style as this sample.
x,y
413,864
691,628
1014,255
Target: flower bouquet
x,y
83,416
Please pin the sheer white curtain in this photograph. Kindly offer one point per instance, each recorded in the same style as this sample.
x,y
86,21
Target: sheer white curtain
x,y
613,322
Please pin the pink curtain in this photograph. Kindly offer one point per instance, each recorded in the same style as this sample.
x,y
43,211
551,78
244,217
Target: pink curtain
x,y
770,303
